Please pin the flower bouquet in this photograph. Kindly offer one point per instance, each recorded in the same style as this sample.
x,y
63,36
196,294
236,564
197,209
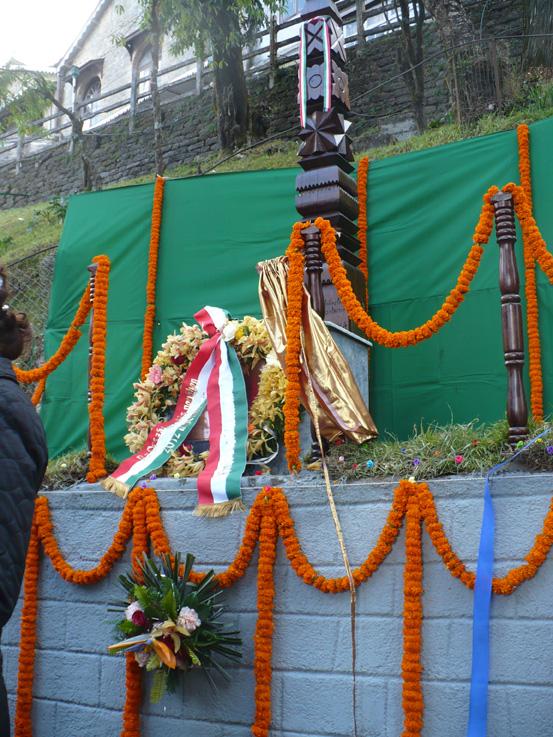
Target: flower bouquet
x,y
172,624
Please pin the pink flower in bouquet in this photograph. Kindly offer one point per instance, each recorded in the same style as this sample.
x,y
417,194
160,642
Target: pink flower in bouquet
x,y
155,374
188,618
140,619
131,609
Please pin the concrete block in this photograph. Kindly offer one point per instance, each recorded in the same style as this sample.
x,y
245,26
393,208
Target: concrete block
x,y
74,719
72,677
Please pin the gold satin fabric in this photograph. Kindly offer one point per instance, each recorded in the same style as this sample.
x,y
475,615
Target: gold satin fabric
x,y
341,408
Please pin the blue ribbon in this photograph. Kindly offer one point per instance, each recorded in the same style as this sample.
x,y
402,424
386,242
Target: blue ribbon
x,y
478,710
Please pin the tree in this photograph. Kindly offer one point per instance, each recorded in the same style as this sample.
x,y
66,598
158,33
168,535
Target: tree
x,y
538,20
25,96
469,75
221,28
410,54
154,21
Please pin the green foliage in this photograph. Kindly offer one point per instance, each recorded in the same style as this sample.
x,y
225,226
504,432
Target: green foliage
x,y
434,451
25,96
209,24
165,589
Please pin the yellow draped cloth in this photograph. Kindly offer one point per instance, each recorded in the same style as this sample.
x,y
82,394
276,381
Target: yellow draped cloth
x,y
340,407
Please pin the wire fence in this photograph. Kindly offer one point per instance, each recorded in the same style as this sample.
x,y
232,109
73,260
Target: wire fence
x,y
30,283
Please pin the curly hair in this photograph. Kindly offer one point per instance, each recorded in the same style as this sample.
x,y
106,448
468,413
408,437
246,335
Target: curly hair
x,y
15,331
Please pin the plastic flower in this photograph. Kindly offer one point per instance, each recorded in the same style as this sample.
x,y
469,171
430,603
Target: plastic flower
x,y
459,459
188,618
355,466
370,464
416,462
340,459
131,609
549,450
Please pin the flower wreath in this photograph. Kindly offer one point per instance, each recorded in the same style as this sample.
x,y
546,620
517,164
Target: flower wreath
x,y
156,396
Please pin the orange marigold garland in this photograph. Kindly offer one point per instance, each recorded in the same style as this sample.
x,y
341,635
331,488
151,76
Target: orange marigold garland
x,y
97,463
69,341
296,259
530,230
362,222
404,338
263,640
38,392
149,315
27,650
411,664
532,309
270,516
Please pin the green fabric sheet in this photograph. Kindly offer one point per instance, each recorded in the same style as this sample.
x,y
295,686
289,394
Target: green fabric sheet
x,y
422,211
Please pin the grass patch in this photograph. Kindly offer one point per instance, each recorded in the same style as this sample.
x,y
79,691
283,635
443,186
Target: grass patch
x,y
434,451
69,470
24,230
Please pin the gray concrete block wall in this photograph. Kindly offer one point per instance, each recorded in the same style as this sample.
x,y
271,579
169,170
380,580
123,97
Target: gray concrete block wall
x,y
80,689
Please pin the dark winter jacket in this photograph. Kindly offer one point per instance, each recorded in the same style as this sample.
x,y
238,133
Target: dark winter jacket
x,y
23,458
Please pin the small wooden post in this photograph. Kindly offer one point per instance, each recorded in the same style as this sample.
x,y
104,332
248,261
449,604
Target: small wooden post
x,y
272,50
314,268
511,317
199,75
132,103
93,268
19,152
314,285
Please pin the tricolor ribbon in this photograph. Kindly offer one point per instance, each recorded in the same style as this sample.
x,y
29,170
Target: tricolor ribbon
x,y
478,710
327,68
214,379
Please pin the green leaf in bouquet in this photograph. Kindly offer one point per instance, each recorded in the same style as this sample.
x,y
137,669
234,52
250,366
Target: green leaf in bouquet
x,y
193,656
159,686
153,662
128,628
169,602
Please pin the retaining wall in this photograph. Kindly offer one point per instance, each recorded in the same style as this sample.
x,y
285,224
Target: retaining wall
x,y
80,689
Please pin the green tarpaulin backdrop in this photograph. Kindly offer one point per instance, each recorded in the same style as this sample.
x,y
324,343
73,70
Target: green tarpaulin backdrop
x,y
422,211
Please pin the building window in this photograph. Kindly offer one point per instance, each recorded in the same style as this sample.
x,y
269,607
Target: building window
x,y
92,90
291,8
143,71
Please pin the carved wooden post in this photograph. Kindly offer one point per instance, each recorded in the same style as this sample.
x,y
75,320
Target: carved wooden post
x,y
511,317
313,282
314,268
93,268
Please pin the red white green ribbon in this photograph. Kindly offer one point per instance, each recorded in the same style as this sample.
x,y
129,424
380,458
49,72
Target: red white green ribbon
x,y
327,68
214,378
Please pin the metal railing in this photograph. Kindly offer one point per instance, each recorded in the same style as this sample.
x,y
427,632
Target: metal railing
x,y
274,47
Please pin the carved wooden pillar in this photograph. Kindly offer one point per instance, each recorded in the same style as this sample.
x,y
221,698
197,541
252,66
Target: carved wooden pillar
x,y
93,268
511,317
325,187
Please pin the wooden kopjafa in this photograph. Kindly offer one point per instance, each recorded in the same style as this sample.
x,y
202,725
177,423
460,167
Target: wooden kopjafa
x,y
325,188
511,317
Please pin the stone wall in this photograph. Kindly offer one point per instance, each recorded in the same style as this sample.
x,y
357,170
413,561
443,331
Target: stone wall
x,y
79,688
190,130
